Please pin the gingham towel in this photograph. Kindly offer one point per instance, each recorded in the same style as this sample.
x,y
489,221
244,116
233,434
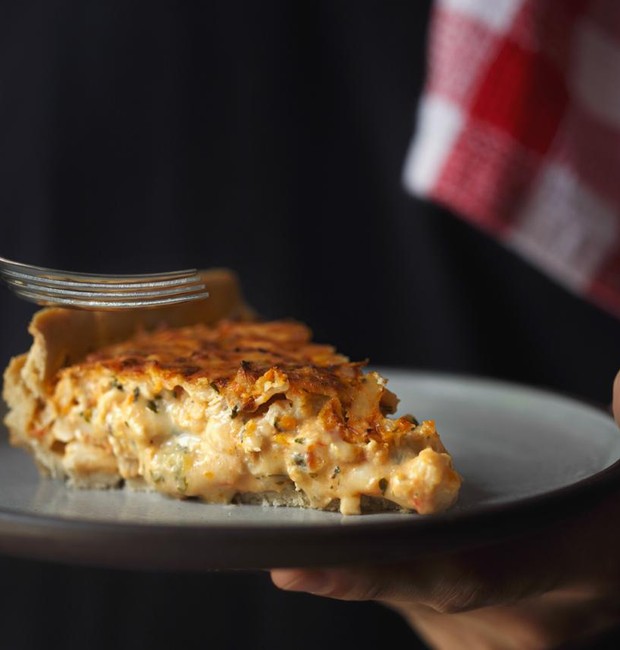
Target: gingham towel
x,y
518,131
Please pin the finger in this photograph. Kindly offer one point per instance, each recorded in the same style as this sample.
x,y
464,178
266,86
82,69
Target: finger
x,y
314,582
387,585
334,583
616,398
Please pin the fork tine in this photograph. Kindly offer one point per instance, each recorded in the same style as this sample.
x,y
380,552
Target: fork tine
x,y
44,299
111,284
8,266
124,295
122,292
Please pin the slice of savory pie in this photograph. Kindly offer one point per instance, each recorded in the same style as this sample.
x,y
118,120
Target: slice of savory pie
x,y
204,401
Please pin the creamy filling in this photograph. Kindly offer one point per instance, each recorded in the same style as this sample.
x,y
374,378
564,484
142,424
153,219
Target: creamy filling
x,y
193,444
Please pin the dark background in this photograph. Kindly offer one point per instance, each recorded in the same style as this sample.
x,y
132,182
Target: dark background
x,y
267,137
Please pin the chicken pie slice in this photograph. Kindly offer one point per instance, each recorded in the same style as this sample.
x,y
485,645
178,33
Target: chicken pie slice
x,y
224,409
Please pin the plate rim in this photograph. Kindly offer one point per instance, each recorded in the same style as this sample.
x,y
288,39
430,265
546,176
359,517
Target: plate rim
x,y
492,521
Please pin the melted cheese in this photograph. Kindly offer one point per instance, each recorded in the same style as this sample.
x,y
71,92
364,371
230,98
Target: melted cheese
x,y
214,413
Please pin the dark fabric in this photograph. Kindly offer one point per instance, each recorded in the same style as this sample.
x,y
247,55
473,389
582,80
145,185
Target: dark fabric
x,y
267,137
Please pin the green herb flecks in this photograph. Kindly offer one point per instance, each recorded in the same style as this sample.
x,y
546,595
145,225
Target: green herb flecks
x,y
181,483
116,384
299,460
156,477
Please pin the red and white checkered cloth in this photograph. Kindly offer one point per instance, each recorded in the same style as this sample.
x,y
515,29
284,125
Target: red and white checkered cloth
x,y
518,131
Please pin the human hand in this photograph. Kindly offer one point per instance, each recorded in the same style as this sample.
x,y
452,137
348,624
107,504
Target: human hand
x,y
555,584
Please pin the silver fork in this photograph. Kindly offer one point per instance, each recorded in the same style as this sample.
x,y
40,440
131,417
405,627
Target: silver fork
x,y
52,287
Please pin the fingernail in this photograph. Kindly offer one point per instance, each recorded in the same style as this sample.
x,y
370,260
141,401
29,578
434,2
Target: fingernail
x,y
312,582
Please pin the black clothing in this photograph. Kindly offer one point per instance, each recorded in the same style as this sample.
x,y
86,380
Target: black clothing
x,y
268,137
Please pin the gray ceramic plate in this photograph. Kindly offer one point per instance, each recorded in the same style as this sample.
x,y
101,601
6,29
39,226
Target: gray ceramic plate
x,y
526,456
